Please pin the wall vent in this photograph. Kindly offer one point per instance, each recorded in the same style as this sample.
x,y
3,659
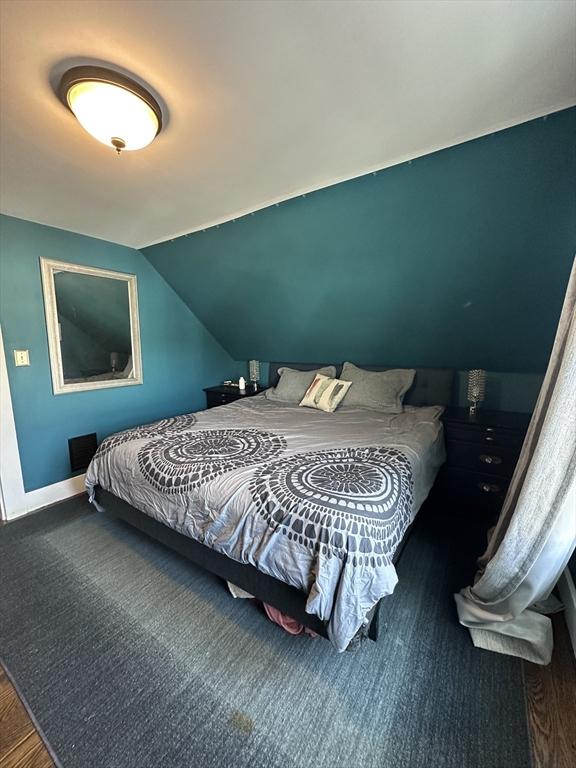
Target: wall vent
x,y
82,449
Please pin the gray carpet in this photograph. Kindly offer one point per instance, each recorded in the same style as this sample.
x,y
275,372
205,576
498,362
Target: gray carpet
x,y
130,657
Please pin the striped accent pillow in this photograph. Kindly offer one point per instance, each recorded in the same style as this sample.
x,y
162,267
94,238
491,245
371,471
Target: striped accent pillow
x,y
325,394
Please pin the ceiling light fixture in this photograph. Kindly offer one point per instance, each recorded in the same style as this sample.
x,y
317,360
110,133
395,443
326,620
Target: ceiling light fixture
x,y
113,108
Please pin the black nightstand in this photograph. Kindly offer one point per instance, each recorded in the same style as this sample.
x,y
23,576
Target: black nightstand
x,y
223,394
481,454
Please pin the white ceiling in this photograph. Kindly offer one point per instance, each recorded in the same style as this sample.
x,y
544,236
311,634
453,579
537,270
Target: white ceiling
x,y
266,99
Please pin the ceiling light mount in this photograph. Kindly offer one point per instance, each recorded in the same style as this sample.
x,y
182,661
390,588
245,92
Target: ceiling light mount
x,y
113,108
118,144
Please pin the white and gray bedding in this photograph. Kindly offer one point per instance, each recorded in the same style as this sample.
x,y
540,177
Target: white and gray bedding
x,y
317,500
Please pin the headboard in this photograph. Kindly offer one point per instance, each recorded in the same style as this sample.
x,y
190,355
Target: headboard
x,y
432,386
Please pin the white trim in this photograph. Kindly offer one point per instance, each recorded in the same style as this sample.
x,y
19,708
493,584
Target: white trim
x,y
15,500
50,494
11,481
49,268
568,596
365,172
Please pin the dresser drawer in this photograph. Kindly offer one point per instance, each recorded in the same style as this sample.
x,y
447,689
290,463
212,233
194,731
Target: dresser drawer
x,y
477,488
487,436
487,458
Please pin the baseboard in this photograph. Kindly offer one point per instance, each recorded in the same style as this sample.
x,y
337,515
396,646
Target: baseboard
x,y
567,591
50,494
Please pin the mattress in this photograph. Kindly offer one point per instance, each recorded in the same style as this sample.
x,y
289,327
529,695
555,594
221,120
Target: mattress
x,y
317,500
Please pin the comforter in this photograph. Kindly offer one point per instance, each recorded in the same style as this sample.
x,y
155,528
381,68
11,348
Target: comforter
x,y
317,500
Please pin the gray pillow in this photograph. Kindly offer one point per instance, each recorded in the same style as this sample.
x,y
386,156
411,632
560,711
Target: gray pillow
x,y
293,384
379,390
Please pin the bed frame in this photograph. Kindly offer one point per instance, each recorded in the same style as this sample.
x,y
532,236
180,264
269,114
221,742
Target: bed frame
x,y
431,387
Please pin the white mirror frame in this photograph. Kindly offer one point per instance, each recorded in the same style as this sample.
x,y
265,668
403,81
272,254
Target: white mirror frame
x,y
49,267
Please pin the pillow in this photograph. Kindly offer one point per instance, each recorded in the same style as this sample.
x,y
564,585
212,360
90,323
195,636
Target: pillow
x,y
379,390
293,384
325,394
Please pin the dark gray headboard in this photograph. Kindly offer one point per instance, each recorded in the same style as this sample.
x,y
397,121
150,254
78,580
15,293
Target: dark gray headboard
x,y
432,386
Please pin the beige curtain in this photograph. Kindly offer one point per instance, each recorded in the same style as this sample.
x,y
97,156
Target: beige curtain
x,y
536,531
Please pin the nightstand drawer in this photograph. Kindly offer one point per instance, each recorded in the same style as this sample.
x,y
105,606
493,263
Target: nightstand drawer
x,y
223,394
486,458
219,398
487,436
474,487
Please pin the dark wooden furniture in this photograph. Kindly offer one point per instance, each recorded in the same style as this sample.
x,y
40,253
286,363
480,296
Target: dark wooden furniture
x,y
223,394
481,454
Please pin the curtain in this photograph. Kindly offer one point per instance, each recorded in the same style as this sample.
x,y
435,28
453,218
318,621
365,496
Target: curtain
x,y
536,532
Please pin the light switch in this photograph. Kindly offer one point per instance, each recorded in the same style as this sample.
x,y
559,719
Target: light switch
x,y
21,357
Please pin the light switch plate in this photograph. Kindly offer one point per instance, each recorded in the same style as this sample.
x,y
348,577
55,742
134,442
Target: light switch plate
x,y
21,357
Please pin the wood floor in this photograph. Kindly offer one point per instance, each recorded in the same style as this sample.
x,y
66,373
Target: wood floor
x,y
550,701
20,744
551,704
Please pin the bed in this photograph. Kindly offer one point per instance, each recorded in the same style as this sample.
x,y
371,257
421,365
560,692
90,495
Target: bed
x,y
305,510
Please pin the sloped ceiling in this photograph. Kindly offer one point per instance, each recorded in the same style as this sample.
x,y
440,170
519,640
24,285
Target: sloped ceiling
x,y
458,259
263,100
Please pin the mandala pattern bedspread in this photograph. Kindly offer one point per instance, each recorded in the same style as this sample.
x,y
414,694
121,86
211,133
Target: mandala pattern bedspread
x,y
317,500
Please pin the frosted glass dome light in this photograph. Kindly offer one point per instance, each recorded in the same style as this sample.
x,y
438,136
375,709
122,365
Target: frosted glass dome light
x,y
111,107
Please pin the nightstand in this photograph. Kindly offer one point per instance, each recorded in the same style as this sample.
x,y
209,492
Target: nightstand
x,y
223,394
481,454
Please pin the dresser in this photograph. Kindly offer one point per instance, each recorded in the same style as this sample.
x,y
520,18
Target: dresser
x,y
481,454
223,394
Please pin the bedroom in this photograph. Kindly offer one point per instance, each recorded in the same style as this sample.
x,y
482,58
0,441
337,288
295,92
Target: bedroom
x,y
364,213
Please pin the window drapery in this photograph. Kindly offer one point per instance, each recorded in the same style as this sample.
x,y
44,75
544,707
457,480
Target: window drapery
x,y
536,532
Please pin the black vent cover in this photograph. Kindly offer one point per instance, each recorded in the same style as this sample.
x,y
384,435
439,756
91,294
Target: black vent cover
x,y
82,449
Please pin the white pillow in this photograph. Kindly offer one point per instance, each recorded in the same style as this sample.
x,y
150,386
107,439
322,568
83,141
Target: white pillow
x,y
325,394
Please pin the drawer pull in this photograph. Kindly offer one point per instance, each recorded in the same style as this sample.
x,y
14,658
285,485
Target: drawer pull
x,y
489,439
486,458
489,487
489,429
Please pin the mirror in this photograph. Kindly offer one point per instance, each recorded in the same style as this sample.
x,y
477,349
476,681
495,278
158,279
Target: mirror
x,y
92,324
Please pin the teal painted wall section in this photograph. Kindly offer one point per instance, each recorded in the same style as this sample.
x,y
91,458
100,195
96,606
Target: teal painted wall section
x,y
458,259
179,355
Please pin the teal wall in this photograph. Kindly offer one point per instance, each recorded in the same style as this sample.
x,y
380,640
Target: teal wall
x,y
458,259
179,355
